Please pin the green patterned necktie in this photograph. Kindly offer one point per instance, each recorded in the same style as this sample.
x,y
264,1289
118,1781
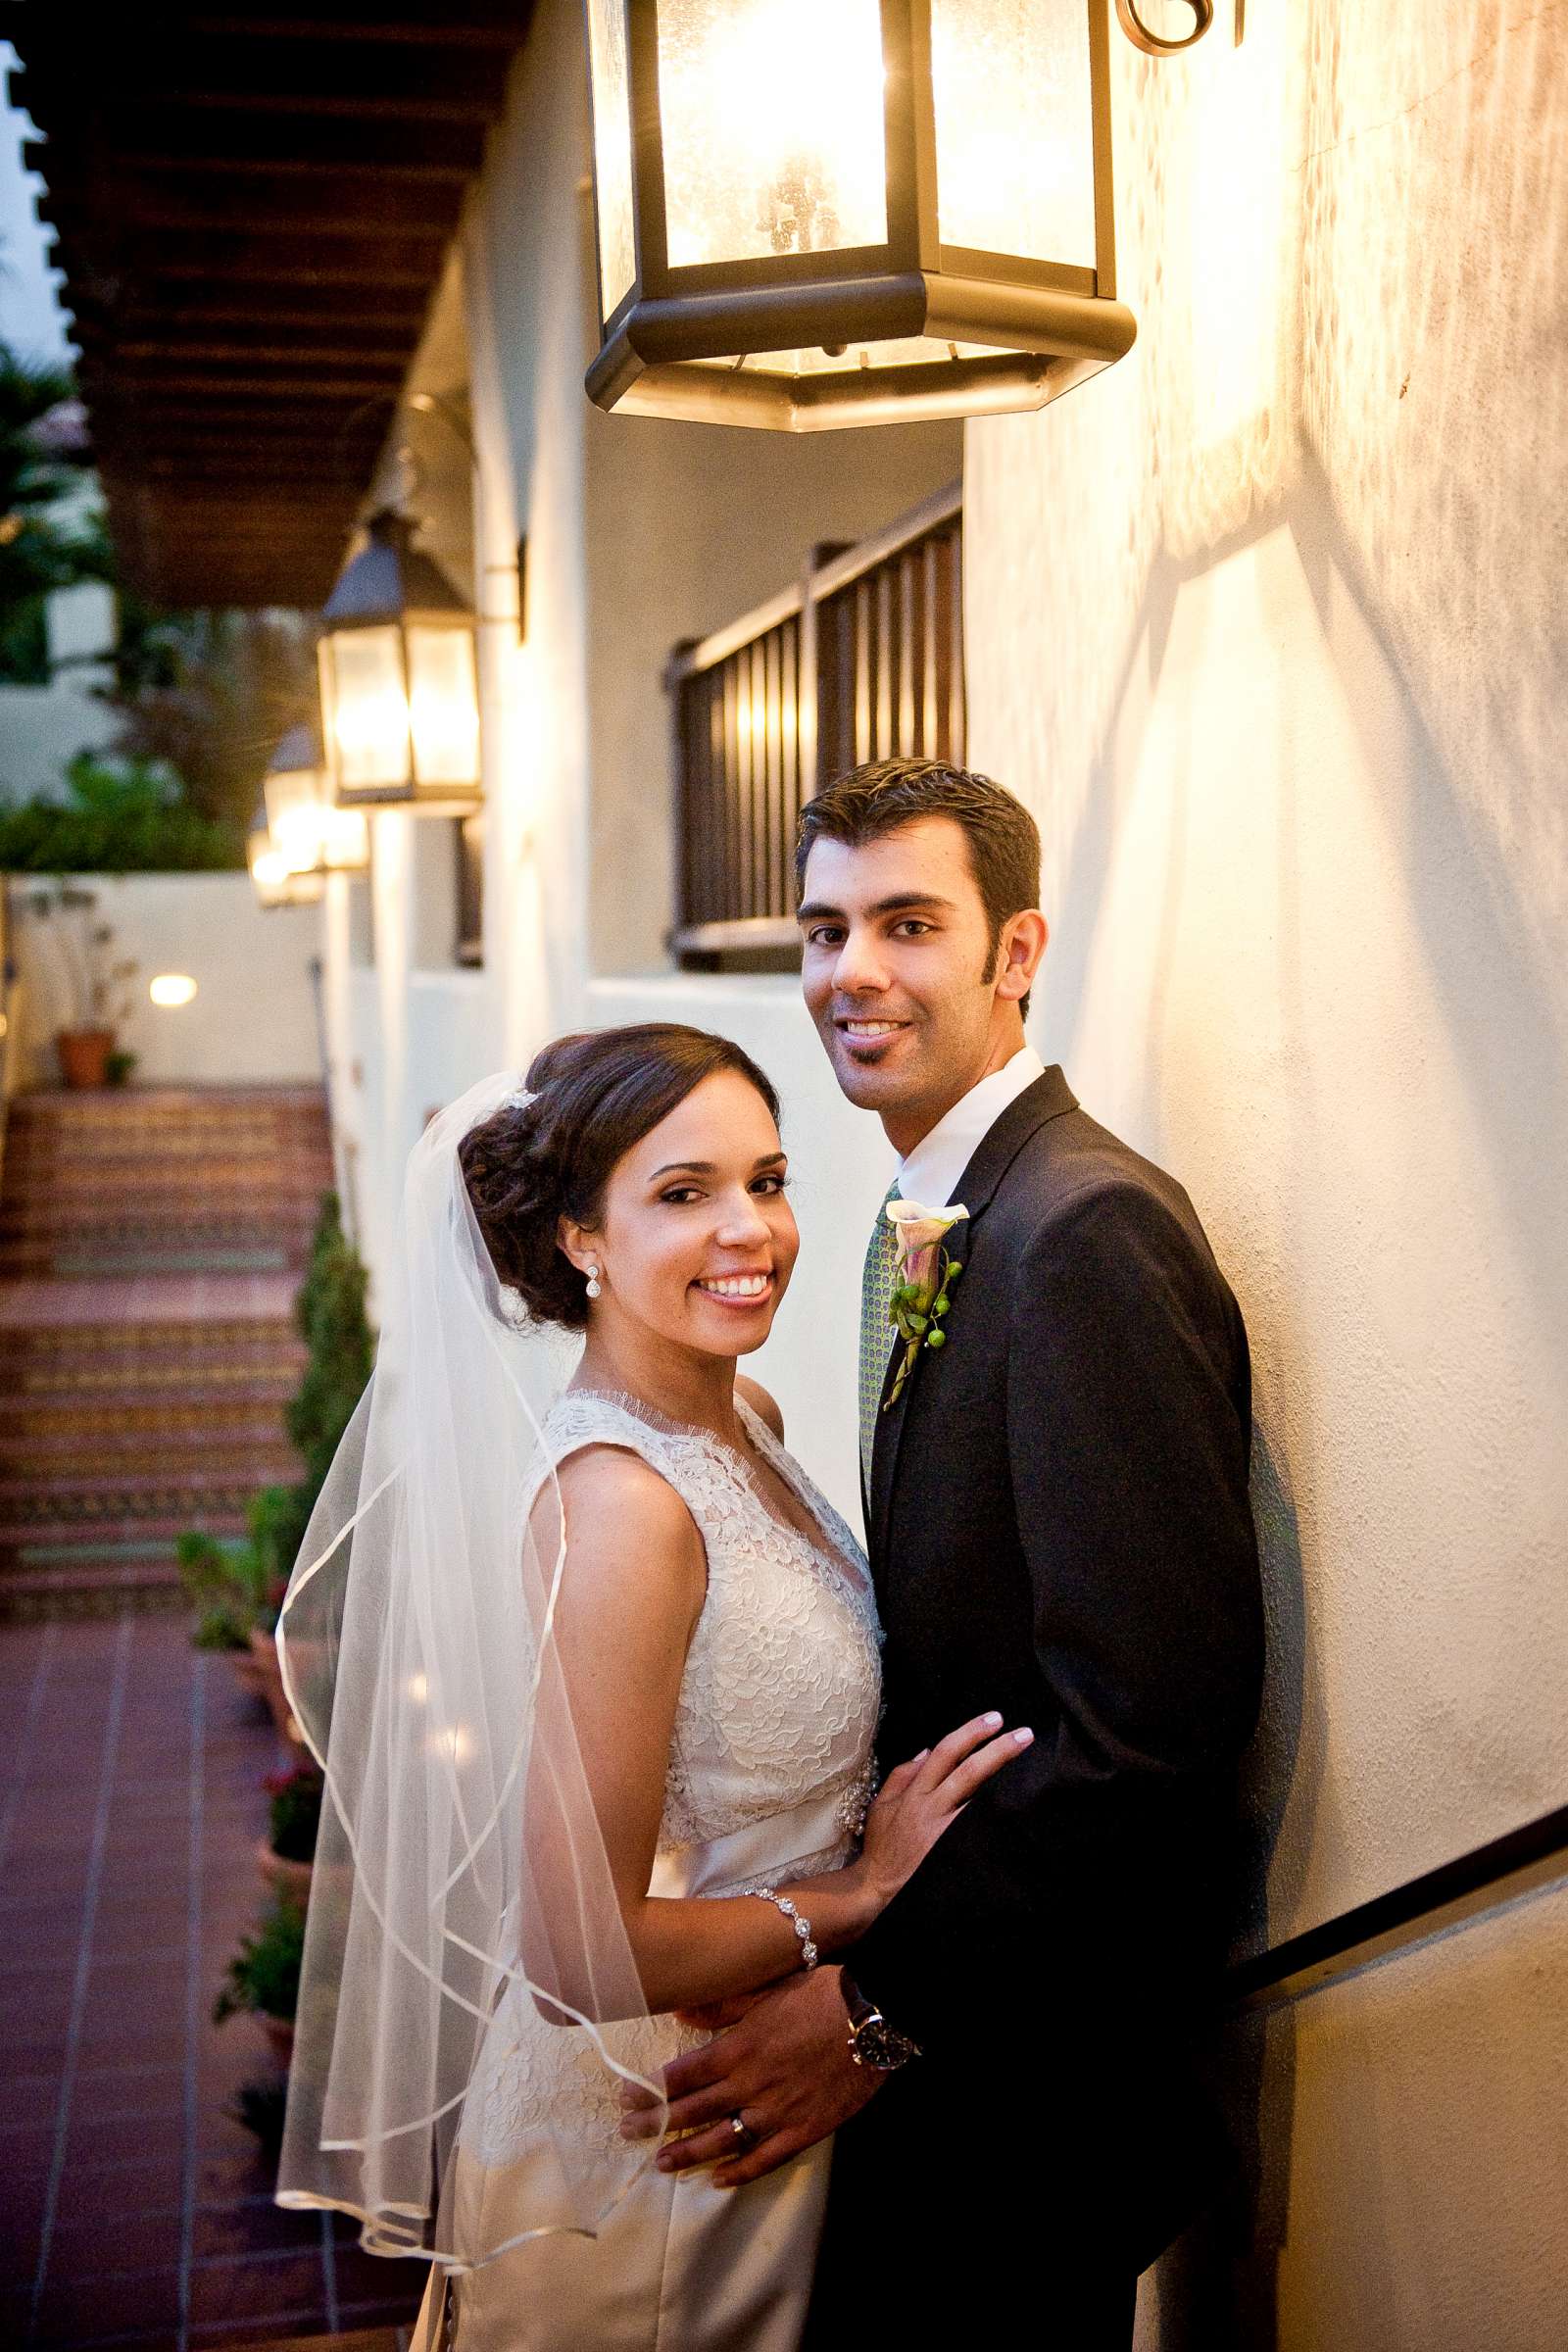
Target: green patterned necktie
x,y
876,1331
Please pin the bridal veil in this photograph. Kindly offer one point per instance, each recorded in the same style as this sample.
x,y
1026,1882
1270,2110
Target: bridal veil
x,y
460,1865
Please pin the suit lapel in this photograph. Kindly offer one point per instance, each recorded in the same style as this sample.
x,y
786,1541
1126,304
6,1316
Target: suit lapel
x,y
993,1154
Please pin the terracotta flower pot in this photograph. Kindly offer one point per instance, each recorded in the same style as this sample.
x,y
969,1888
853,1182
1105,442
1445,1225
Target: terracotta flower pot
x,y
84,1056
279,2032
291,1878
269,1678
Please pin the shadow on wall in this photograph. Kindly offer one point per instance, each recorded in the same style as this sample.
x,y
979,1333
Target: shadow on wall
x,y
1215,2288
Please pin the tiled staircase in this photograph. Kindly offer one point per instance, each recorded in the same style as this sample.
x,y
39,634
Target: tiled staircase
x,y
151,1243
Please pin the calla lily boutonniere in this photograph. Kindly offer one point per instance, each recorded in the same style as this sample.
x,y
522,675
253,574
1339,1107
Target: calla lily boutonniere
x,y
926,1273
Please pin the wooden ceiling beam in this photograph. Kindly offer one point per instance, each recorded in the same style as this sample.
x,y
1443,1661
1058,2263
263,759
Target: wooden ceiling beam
x,y
434,82
500,30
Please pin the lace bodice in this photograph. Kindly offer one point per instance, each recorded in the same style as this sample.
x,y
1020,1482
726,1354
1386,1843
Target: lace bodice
x,y
779,1699
777,1712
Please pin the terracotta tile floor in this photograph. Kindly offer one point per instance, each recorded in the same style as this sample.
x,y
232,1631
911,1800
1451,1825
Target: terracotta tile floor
x,y
134,2210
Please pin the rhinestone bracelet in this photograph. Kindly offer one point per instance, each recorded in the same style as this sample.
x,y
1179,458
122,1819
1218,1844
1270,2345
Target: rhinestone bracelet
x,y
802,1927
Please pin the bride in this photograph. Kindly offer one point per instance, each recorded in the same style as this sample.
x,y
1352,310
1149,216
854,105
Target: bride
x,y
592,1669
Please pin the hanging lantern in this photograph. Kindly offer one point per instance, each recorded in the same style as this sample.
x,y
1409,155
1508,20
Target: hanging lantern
x,y
274,882
400,698
817,213
311,834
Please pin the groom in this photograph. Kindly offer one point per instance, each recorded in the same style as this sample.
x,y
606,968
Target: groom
x,y
1057,1503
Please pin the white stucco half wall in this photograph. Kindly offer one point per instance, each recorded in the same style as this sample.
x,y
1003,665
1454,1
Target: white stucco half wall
x,y
253,1017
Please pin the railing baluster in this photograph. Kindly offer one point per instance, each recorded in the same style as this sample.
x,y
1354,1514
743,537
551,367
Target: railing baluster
x,y
789,715
929,700
957,723
864,721
713,802
886,654
909,641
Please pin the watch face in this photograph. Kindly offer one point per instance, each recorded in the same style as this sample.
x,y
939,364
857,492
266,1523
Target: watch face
x,y
877,2044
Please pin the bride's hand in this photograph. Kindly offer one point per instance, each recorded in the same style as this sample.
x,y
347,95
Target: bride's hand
x,y
923,1798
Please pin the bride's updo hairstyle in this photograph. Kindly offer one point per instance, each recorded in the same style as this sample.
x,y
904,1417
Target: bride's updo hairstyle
x,y
530,1164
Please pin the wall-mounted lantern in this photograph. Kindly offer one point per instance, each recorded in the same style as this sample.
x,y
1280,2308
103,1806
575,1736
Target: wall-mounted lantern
x,y
274,883
400,697
816,212
310,832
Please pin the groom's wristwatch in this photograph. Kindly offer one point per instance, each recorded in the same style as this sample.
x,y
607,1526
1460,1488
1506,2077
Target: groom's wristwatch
x,y
872,2040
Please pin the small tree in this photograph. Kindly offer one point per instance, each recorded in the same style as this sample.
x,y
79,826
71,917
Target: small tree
x,y
43,544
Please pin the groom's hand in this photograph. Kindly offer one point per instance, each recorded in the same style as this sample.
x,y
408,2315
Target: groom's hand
x,y
785,2069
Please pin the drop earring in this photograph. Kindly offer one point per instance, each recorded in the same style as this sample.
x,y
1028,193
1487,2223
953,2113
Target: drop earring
x,y
594,1283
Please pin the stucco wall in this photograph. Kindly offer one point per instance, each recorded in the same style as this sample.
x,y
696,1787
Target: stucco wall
x,y
253,1017
1266,623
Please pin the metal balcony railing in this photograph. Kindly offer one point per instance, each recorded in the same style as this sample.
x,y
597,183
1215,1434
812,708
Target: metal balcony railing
x,y
862,660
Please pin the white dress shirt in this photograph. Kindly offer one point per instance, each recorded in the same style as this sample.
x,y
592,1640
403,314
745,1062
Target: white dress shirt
x,y
932,1169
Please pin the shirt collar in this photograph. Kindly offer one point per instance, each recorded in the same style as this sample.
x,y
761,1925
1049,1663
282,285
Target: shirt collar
x,y
933,1168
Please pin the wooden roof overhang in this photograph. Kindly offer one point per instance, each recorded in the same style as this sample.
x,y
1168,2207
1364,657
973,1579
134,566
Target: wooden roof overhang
x,y
251,210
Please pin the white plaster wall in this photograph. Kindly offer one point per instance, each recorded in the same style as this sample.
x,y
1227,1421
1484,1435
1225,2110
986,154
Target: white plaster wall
x,y
43,727
253,1017
1266,623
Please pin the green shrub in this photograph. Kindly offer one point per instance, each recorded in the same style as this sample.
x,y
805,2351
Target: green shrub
x,y
260,2106
330,1314
296,1812
227,1583
122,817
242,1585
263,1976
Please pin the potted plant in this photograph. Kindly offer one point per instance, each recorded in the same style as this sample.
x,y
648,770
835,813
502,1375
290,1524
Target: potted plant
x,y
263,1976
288,1850
100,981
227,1585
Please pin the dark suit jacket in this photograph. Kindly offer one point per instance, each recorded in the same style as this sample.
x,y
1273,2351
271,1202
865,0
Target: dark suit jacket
x,y
1059,1528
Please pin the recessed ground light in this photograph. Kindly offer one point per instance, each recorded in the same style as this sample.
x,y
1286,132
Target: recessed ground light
x,y
172,988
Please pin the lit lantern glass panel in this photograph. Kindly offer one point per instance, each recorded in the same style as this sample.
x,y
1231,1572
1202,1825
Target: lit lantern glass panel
x,y
363,692
400,700
309,833
611,88
852,212
1015,123
443,706
274,882
771,113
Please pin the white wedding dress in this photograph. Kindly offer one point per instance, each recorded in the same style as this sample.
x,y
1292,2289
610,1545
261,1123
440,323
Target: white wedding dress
x,y
770,1772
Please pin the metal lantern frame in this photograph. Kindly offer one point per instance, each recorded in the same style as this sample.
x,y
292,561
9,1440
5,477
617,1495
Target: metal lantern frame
x,y
391,584
341,848
1047,325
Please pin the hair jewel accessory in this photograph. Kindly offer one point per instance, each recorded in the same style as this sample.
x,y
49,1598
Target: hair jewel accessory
x,y
512,1305
519,1100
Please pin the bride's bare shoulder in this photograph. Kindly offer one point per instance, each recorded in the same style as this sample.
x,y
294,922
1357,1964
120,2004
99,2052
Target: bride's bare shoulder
x,y
616,1501
761,1402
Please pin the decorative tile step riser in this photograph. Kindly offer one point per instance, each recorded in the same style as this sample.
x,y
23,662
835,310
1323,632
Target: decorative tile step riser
x,y
124,1196
161,1454
129,1223
39,1540
144,1388
77,1265
175,1337
254,1412
32,1603
235,1470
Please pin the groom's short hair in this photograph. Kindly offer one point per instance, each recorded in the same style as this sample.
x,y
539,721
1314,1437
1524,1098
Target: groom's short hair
x,y
1001,837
